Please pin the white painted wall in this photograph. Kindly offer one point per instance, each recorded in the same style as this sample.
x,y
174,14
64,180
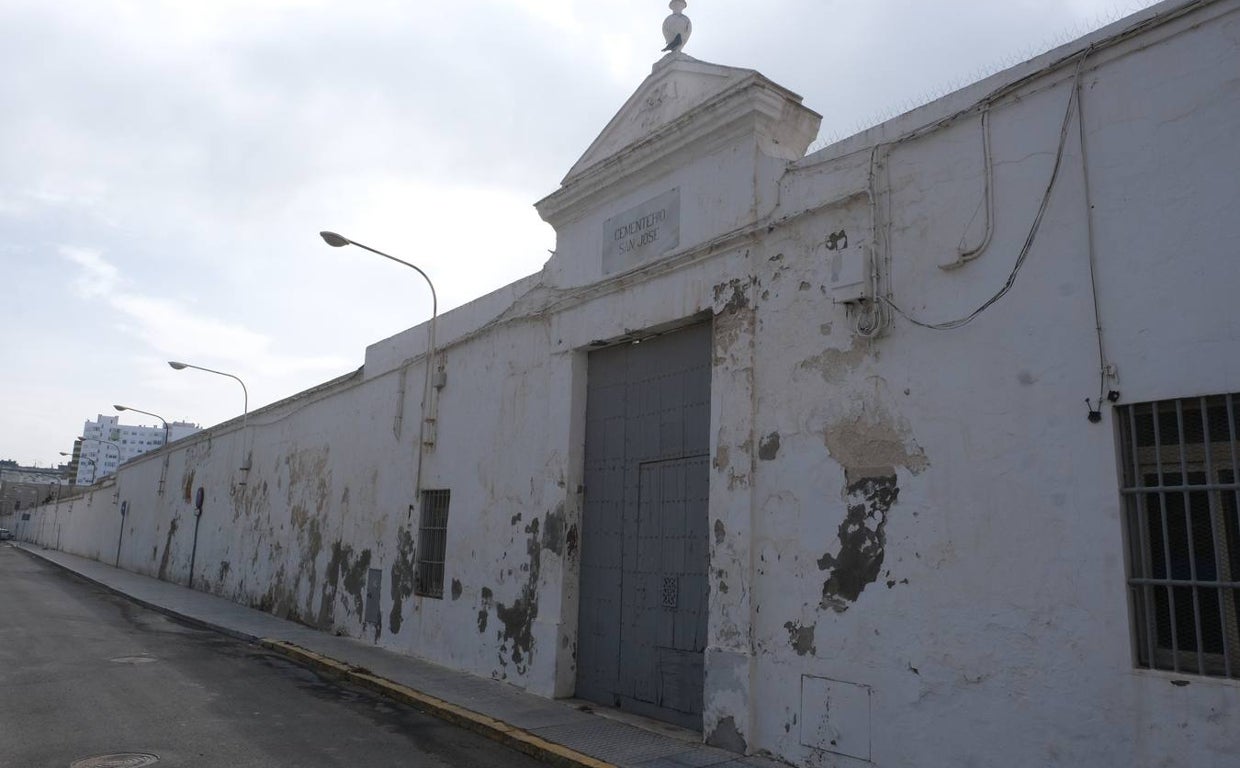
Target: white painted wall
x,y
996,631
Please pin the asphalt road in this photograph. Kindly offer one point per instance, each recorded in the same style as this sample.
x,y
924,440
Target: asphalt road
x,y
84,673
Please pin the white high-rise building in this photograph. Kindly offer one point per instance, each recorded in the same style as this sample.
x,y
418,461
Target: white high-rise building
x,y
108,444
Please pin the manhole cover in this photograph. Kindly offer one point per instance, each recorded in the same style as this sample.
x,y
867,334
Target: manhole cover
x,y
119,760
133,660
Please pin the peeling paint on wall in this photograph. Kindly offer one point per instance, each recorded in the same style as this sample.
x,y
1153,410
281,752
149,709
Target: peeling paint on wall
x,y
835,364
768,447
726,736
354,578
732,296
251,500
484,611
553,532
872,447
801,637
310,469
331,580
734,320
517,636
343,569
403,577
862,542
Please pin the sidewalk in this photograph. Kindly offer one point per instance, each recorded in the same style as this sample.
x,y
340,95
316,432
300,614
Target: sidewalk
x,y
555,731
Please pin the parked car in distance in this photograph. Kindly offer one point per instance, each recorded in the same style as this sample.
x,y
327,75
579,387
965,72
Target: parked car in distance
x,y
5,534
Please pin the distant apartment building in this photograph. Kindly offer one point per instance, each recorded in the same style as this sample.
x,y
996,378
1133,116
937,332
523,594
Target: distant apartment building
x,y
107,444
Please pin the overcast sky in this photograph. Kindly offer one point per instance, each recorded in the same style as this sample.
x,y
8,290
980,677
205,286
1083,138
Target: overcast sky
x,y
165,166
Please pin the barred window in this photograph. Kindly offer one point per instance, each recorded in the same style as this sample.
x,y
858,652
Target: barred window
x,y
432,543
1181,461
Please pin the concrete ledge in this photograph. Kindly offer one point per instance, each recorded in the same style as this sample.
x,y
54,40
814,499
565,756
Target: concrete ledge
x,y
506,734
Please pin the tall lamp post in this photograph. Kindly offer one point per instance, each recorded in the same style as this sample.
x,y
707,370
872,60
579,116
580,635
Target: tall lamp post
x,y
245,408
339,241
93,466
163,473
105,442
245,394
148,413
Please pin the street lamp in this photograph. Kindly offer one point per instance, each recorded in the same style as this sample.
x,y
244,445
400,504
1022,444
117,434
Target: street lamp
x,y
93,466
148,413
105,442
163,473
339,241
245,413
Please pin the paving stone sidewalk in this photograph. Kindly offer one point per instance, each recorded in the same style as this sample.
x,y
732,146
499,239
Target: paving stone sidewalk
x,y
557,731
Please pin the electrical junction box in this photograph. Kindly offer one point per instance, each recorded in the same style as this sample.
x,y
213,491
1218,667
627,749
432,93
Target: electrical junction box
x,y
849,273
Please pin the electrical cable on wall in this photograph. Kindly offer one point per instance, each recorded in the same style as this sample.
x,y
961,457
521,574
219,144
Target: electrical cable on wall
x,y
873,314
1104,368
1033,229
964,254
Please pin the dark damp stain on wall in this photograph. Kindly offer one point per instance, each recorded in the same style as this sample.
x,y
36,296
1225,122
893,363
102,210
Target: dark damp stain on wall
x,y
403,578
768,447
517,636
801,638
726,736
862,541
484,610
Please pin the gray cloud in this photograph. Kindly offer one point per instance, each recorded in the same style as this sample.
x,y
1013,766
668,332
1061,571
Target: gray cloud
x,y
164,166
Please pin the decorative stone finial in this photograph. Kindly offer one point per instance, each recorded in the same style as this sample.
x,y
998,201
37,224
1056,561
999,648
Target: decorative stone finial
x,y
677,27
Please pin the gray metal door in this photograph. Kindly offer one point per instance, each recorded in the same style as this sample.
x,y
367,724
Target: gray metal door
x,y
642,619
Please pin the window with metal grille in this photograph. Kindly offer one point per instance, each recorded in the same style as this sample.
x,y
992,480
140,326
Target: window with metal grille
x,y
432,543
1181,465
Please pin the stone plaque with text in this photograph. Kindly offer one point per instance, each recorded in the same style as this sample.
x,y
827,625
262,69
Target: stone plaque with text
x,y
642,233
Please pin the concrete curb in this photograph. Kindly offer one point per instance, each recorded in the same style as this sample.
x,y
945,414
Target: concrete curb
x,y
508,735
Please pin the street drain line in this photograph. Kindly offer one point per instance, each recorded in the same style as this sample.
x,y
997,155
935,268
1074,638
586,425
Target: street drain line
x,y
118,760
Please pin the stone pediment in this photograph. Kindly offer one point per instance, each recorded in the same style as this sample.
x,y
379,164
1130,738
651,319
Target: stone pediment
x,y
677,84
684,105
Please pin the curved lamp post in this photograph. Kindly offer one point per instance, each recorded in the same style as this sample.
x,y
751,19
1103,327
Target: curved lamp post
x,y
245,407
163,473
148,413
93,466
105,442
245,393
339,241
